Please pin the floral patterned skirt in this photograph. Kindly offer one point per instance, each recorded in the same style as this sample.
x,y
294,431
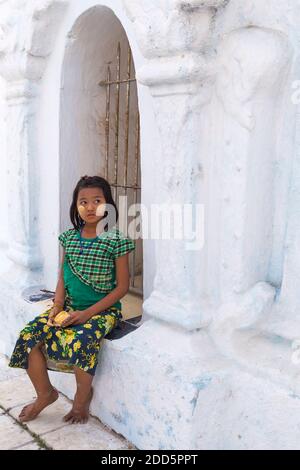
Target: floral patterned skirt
x,y
67,347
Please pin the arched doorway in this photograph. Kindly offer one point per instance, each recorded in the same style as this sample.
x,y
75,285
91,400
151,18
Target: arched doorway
x,y
99,122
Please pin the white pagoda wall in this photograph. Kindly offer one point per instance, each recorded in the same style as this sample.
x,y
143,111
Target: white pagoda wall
x,y
212,366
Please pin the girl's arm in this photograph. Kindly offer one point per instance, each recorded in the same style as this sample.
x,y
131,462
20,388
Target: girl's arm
x,y
60,287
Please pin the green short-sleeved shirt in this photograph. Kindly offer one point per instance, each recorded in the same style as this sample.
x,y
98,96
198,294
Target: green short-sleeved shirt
x,y
89,276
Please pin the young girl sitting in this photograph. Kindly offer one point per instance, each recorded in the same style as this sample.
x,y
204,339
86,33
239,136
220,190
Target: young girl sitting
x,y
94,276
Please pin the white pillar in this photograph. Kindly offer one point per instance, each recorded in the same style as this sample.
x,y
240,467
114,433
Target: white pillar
x,y
180,77
253,67
252,88
285,317
22,174
28,31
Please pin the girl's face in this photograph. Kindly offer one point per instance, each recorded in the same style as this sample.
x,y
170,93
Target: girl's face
x,y
91,204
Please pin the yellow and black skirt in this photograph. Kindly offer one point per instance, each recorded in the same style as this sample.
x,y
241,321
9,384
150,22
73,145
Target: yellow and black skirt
x,y
67,347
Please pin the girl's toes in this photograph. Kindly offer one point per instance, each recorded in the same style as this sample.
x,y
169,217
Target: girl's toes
x,y
67,417
29,414
23,412
77,420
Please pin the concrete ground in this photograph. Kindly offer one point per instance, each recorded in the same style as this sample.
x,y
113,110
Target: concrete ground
x,y
47,431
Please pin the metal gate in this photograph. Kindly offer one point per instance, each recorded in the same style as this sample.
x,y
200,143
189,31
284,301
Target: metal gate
x,y
120,106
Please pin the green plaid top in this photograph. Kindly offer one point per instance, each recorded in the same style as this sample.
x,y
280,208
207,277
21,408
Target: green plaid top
x,y
96,265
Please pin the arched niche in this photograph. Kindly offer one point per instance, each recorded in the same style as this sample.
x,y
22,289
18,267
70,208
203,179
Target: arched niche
x,y
92,45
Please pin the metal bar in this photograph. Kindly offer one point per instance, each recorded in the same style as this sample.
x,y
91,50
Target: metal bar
x,y
137,149
115,82
137,153
124,187
112,149
117,120
135,290
107,122
127,123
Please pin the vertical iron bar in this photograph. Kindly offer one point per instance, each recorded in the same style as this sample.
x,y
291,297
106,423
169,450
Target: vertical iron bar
x,y
127,123
137,152
117,121
116,144
107,122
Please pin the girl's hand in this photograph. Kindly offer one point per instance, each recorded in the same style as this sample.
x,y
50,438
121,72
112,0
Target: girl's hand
x,y
54,311
76,317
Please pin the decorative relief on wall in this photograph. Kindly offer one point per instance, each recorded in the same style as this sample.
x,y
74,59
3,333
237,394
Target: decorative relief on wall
x,y
252,62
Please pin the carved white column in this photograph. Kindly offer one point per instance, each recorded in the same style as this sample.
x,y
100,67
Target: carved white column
x,y
253,68
24,47
285,317
252,75
22,174
176,38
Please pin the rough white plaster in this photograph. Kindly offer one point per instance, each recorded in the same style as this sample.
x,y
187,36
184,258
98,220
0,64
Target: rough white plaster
x,y
3,170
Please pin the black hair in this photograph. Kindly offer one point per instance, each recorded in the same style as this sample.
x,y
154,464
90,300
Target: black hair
x,y
91,182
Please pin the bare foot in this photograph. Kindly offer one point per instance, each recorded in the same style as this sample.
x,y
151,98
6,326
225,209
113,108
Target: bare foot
x,y
30,412
80,411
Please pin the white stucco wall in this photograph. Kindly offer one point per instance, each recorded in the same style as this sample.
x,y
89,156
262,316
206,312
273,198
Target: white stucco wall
x,y
282,200
223,320
3,179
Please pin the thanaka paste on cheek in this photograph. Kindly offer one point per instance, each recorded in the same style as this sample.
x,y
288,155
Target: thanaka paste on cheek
x,y
100,210
81,210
